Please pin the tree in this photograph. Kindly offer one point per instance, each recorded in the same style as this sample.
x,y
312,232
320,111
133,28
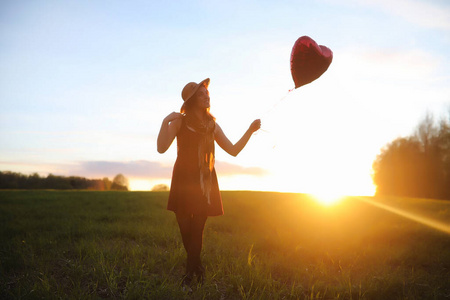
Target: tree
x,y
57,183
444,144
416,166
395,172
11,180
34,182
107,183
120,183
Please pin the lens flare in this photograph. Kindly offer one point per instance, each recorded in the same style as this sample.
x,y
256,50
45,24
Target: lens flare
x,y
412,216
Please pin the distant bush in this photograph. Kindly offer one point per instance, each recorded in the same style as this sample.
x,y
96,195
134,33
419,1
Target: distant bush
x,y
160,188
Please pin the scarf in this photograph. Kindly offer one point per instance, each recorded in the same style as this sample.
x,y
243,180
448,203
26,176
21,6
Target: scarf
x,y
205,151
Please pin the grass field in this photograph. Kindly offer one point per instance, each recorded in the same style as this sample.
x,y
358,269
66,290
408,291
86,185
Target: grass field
x,y
91,245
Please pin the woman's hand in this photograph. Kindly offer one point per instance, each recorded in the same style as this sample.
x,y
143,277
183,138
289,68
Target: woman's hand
x,y
172,116
255,126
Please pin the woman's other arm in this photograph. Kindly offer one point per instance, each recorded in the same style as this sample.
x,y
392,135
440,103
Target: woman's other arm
x,y
225,143
169,129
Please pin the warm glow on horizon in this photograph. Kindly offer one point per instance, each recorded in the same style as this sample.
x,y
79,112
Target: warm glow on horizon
x,y
327,198
140,185
302,151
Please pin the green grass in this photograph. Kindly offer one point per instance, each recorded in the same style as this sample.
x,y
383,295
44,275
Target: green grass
x,y
92,245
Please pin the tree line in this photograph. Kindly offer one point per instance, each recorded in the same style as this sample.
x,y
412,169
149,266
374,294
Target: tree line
x,y
416,165
12,180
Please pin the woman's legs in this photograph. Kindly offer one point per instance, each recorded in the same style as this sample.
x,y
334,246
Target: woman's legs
x,y
198,225
191,229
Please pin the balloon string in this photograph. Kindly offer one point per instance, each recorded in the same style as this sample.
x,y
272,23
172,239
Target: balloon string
x,y
271,109
268,112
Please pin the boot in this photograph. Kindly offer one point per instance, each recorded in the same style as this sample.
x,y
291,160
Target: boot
x,y
200,273
187,279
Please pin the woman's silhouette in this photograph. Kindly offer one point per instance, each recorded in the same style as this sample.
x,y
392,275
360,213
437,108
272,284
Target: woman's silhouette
x,y
194,192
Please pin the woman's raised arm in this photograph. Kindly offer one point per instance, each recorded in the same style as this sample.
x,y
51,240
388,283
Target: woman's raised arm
x,y
225,143
169,129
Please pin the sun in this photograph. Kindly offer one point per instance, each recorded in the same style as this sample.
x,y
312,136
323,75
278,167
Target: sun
x,y
327,198
140,185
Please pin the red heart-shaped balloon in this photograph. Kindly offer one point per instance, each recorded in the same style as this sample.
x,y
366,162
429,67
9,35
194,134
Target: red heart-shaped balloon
x,y
309,60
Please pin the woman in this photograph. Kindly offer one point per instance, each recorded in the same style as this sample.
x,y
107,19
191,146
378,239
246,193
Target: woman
x,y
194,192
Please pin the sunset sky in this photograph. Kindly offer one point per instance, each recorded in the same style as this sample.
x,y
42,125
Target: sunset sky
x,y
84,86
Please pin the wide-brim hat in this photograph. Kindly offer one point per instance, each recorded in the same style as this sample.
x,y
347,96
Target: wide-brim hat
x,y
190,89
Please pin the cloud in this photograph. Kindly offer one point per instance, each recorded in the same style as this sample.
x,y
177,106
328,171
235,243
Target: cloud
x,y
423,13
151,169
138,169
227,169
135,169
390,64
29,167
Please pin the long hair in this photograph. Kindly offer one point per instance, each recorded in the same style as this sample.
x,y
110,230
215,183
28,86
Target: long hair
x,y
206,156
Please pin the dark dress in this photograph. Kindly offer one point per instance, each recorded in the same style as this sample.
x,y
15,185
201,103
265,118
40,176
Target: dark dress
x,y
186,195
